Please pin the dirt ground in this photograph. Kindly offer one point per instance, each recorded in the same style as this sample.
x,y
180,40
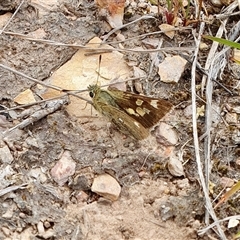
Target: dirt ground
x,y
155,203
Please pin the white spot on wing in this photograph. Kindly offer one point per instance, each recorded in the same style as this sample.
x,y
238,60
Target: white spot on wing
x,y
120,120
154,103
131,111
140,111
139,102
137,124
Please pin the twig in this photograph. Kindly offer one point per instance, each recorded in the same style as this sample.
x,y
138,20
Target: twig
x,y
150,34
51,107
50,42
30,78
63,91
31,104
224,16
12,188
226,13
167,49
145,159
125,25
153,62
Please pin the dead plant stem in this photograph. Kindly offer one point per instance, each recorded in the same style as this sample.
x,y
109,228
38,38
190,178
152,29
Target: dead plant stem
x,y
195,135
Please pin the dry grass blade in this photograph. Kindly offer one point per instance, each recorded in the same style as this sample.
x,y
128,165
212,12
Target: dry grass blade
x,y
142,36
30,78
228,12
195,137
228,194
214,64
204,230
125,25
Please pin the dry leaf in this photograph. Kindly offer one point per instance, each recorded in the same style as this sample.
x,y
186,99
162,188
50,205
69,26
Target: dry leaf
x,y
228,194
113,10
25,97
167,27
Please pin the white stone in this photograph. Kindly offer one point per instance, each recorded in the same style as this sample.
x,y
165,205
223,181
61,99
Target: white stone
x,y
38,174
106,186
232,118
171,69
166,135
5,155
40,227
63,169
175,167
188,111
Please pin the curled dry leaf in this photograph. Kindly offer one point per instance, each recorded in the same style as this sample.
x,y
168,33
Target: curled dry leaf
x,y
113,10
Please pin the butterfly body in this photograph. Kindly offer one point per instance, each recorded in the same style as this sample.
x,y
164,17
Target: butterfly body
x,y
132,113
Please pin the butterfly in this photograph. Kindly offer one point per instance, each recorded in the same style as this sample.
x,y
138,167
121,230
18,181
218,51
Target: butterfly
x,y
132,113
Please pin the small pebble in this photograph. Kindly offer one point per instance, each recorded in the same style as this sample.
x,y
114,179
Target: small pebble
x,y
6,231
226,182
106,186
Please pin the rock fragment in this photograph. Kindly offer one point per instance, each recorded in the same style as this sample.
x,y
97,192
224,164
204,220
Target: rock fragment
x,y
166,135
107,187
63,169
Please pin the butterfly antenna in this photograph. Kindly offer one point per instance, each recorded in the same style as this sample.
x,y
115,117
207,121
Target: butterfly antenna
x,y
99,64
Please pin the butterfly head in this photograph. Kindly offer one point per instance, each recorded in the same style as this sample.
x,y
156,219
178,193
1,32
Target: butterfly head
x,y
93,90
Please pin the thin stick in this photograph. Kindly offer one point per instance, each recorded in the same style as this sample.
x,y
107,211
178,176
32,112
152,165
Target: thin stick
x,y
204,230
153,62
32,104
30,78
11,18
50,42
52,107
214,66
149,34
73,93
125,25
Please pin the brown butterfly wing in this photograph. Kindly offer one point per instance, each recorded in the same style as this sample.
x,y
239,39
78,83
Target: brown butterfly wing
x,y
124,122
145,110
